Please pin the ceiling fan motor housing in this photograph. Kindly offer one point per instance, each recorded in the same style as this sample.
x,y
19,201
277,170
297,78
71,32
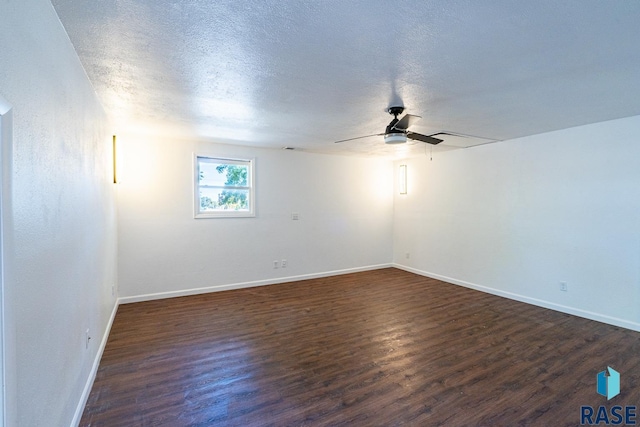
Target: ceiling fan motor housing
x,y
391,135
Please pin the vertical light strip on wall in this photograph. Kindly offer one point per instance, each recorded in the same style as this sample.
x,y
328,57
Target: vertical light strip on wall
x,y
115,163
402,179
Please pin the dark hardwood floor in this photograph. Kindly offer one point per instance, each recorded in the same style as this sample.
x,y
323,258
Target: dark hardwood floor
x,y
379,348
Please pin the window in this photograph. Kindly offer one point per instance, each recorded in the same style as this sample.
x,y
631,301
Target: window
x,y
223,187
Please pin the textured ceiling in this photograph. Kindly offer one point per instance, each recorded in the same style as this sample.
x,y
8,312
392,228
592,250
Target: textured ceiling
x,y
307,73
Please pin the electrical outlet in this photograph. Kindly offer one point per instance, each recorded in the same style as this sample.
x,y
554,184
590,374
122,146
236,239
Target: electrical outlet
x,y
407,255
275,264
283,263
87,338
564,287
113,290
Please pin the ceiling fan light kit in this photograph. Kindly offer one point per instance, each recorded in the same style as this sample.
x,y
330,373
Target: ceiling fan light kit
x,y
395,138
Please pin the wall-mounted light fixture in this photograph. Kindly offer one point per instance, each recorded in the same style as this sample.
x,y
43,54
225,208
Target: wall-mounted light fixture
x,y
115,161
402,179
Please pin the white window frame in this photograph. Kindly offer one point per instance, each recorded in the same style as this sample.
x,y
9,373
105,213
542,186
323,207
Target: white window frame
x,y
197,213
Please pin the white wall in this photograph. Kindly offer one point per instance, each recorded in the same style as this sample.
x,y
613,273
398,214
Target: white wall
x,y
345,206
62,260
518,217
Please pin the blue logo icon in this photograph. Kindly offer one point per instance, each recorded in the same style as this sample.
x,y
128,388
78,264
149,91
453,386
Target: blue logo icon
x,y
609,385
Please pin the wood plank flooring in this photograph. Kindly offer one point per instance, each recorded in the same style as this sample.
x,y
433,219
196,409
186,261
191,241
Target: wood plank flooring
x,y
379,348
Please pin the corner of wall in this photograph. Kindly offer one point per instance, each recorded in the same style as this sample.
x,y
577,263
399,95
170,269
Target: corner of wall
x,y
94,368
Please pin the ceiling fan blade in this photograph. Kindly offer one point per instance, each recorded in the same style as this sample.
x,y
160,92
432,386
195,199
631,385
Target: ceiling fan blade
x,y
404,123
359,137
423,138
460,135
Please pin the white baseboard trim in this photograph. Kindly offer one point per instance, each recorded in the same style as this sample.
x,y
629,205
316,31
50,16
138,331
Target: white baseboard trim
x,y
94,369
534,301
241,285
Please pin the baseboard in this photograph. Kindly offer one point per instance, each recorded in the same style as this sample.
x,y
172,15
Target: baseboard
x,y
94,369
241,285
522,298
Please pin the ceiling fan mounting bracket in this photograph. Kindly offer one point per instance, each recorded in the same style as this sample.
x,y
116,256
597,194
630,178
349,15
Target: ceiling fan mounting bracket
x,y
395,111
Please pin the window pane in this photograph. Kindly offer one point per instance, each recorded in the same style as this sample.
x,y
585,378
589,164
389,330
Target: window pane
x,y
220,199
222,174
